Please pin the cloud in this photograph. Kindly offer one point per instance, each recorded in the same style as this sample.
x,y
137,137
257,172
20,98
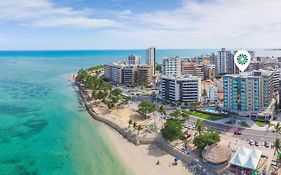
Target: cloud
x,y
43,13
193,24
214,23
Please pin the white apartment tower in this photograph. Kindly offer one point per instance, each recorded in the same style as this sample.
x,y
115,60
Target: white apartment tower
x,y
225,62
171,66
151,58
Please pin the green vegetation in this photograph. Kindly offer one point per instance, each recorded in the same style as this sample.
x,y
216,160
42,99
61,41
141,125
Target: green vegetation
x,y
145,108
205,116
96,69
199,126
172,130
158,67
139,128
130,123
260,123
176,114
207,138
244,124
162,110
102,91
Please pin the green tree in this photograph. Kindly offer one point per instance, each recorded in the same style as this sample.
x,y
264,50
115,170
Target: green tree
x,y
145,108
199,126
172,130
81,75
139,128
130,123
185,114
135,125
207,138
162,110
176,114
158,67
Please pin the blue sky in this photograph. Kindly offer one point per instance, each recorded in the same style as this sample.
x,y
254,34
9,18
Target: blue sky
x,y
138,24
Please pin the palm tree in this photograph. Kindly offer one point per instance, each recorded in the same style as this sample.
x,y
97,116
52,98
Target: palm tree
x,y
135,125
162,110
199,126
130,122
176,114
277,145
139,128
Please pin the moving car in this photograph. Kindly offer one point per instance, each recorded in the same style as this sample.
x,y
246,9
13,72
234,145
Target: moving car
x,y
237,132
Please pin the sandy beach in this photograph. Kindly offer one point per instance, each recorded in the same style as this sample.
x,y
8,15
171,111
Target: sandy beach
x,y
141,160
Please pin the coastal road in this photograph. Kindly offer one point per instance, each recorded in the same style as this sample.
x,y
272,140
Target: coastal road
x,y
247,134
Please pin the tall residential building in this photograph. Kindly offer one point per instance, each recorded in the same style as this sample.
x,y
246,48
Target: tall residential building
x,y
225,62
144,74
151,58
171,66
129,75
183,88
247,93
134,59
114,72
209,71
187,68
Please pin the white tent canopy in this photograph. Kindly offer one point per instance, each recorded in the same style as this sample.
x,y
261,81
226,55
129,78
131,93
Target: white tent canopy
x,y
246,158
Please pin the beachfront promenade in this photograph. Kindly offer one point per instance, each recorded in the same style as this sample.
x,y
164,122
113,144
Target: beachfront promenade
x,y
148,138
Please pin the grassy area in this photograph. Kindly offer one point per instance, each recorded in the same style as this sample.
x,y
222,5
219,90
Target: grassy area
x,y
204,115
260,123
244,124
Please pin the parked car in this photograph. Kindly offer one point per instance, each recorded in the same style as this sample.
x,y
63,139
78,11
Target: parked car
x,y
193,127
251,142
189,127
257,143
266,144
237,132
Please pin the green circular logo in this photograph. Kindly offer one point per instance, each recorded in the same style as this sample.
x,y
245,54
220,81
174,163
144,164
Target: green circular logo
x,y
242,59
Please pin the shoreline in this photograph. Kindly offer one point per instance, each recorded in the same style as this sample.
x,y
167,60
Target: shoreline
x,y
139,154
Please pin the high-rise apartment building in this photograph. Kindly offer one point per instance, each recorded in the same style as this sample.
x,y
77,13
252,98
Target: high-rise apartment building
x,y
114,72
183,88
151,58
225,62
247,93
134,59
171,66
144,74
129,75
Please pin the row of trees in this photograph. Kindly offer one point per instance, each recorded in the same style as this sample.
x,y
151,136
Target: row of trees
x,y
277,145
102,91
145,108
136,126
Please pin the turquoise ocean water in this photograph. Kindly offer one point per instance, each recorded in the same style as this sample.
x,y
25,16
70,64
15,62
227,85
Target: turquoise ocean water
x,y
43,128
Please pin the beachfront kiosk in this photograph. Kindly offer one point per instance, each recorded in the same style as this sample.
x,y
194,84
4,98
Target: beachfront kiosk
x,y
245,160
216,155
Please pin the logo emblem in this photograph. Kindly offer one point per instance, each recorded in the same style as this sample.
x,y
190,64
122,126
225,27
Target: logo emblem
x,y
242,60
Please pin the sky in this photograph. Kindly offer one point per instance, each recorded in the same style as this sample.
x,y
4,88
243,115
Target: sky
x,y
139,24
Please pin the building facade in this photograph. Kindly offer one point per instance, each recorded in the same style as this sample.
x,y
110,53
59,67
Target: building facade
x,y
144,74
247,93
225,62
114,72
151,58
134,59
171,66
182,89
129,75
